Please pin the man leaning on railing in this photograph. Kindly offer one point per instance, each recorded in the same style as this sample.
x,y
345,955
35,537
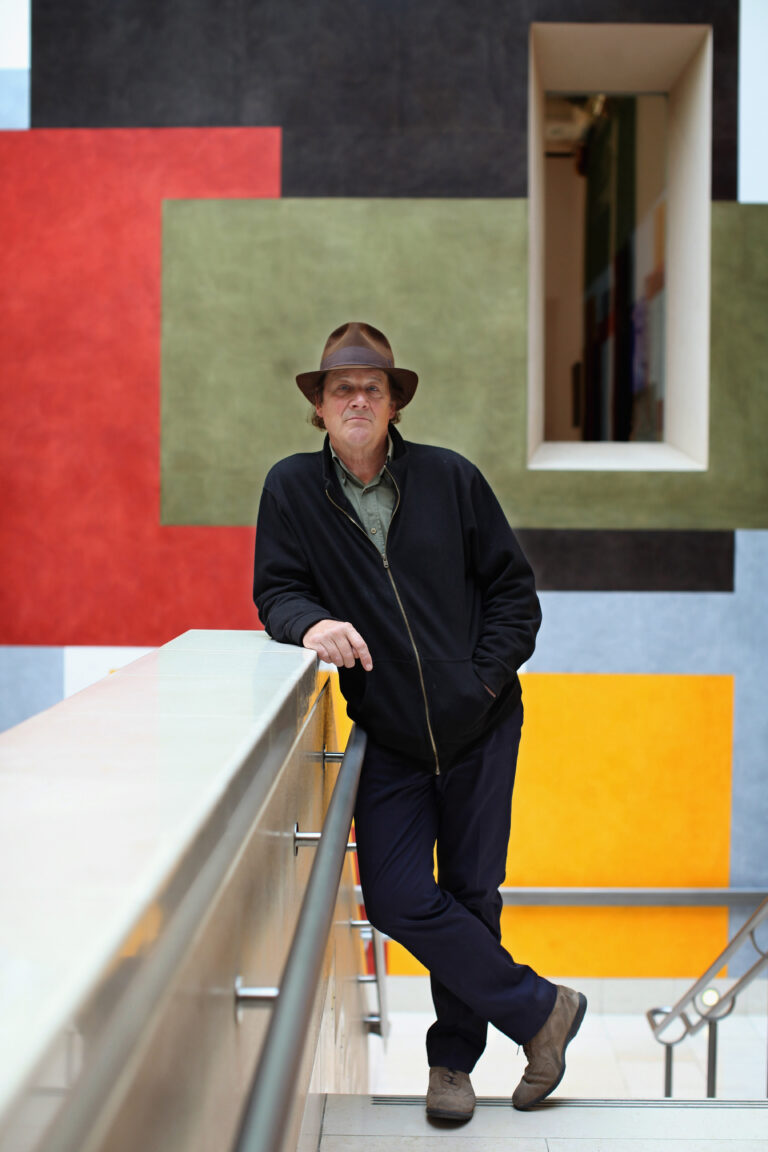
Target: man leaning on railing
x,y
394,561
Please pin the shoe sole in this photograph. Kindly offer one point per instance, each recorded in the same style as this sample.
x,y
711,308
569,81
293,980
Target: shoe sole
x,y
444,1114
576,1024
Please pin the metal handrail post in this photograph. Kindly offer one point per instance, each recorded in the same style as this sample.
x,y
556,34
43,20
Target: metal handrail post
x,y
380,968
711,1059
262,1127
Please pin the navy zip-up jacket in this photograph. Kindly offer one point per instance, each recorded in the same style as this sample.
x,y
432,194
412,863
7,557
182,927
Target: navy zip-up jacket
x,y
450,608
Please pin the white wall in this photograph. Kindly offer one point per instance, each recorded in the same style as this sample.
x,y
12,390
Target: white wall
x,y
14,33
14,64
84,665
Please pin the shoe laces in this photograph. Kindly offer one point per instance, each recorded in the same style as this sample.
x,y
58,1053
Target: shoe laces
x,y
450,1077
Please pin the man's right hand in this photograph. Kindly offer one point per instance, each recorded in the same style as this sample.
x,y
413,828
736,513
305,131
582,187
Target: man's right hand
x,y
337,642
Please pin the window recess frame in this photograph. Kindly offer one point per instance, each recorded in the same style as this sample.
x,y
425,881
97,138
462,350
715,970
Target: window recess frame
x,y
634,58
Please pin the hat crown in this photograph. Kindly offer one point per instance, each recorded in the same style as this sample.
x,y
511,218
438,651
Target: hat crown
x,y
357,344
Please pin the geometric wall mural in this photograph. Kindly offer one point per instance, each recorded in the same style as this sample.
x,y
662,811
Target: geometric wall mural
x,y
419,99
86,559
598,560
598,801
199,197
684,634
252,289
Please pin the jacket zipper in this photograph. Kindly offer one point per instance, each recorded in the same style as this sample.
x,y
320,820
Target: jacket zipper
x,y
402,611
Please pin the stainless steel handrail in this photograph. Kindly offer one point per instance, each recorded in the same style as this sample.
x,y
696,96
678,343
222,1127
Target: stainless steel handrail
x,y
271,1096
661,1019
635,897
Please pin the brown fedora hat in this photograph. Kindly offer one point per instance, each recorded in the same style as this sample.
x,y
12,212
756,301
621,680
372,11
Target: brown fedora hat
x,y
358,345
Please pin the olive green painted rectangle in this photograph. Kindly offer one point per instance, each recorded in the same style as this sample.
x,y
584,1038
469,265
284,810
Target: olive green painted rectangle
x,y
251,289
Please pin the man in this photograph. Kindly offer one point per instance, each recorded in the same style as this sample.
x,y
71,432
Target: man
x,y
394,562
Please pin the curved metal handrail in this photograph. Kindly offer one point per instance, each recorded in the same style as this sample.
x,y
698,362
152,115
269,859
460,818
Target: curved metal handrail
x,y
660,1019
262,1127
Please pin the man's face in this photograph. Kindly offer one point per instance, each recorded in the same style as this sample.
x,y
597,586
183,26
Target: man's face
x,y
356,407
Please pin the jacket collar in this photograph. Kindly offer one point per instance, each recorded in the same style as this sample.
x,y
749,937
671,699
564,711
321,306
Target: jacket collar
x,y
399,457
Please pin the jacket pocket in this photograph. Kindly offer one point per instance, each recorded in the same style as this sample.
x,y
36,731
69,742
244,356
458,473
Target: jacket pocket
x,y
458,700
388,703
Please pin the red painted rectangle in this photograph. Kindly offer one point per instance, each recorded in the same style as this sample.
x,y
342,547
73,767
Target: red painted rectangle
x,y
84,557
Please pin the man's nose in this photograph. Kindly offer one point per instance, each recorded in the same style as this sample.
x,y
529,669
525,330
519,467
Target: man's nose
x,y
359,395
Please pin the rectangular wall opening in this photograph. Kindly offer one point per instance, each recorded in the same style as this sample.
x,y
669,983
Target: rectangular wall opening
x,y
619,198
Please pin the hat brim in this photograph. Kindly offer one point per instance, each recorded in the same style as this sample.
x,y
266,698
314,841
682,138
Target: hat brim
x,y
407,380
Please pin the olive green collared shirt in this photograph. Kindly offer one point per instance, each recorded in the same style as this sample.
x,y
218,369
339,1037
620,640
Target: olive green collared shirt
x,y
373,502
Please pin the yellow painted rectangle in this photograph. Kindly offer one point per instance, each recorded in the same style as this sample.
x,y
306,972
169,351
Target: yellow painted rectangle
x,y
622,781
603,942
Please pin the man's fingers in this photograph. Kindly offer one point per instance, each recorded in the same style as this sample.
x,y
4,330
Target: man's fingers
x,y
337,642
326,649
352,647
321,650
360,649
345,651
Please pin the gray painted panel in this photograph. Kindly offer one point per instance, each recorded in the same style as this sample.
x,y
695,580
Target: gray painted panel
x,y
31,679
635,632
14,98
748,642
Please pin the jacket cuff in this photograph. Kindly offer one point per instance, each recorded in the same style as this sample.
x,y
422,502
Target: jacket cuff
x,y
303,623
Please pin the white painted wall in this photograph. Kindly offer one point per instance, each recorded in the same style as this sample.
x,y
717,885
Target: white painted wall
x,y
84,665
14,33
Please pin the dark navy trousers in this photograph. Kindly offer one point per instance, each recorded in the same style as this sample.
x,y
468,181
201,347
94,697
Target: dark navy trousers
x,y
453,925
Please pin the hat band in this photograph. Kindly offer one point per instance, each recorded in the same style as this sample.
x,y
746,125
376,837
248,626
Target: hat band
x,y
349,357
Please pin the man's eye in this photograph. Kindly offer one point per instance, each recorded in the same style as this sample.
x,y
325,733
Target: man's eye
x,y
374,390
342,389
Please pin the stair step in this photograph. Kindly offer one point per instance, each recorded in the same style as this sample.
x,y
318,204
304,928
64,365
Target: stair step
x,y
399,1124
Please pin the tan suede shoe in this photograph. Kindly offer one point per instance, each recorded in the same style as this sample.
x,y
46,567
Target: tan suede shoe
x,y
450,1095
545,1052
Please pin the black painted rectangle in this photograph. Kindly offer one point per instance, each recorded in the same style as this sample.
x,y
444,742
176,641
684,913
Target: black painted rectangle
x,y
471,165
598,560
407,98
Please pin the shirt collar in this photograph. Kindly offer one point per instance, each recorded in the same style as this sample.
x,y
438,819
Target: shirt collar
x,y
346,472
